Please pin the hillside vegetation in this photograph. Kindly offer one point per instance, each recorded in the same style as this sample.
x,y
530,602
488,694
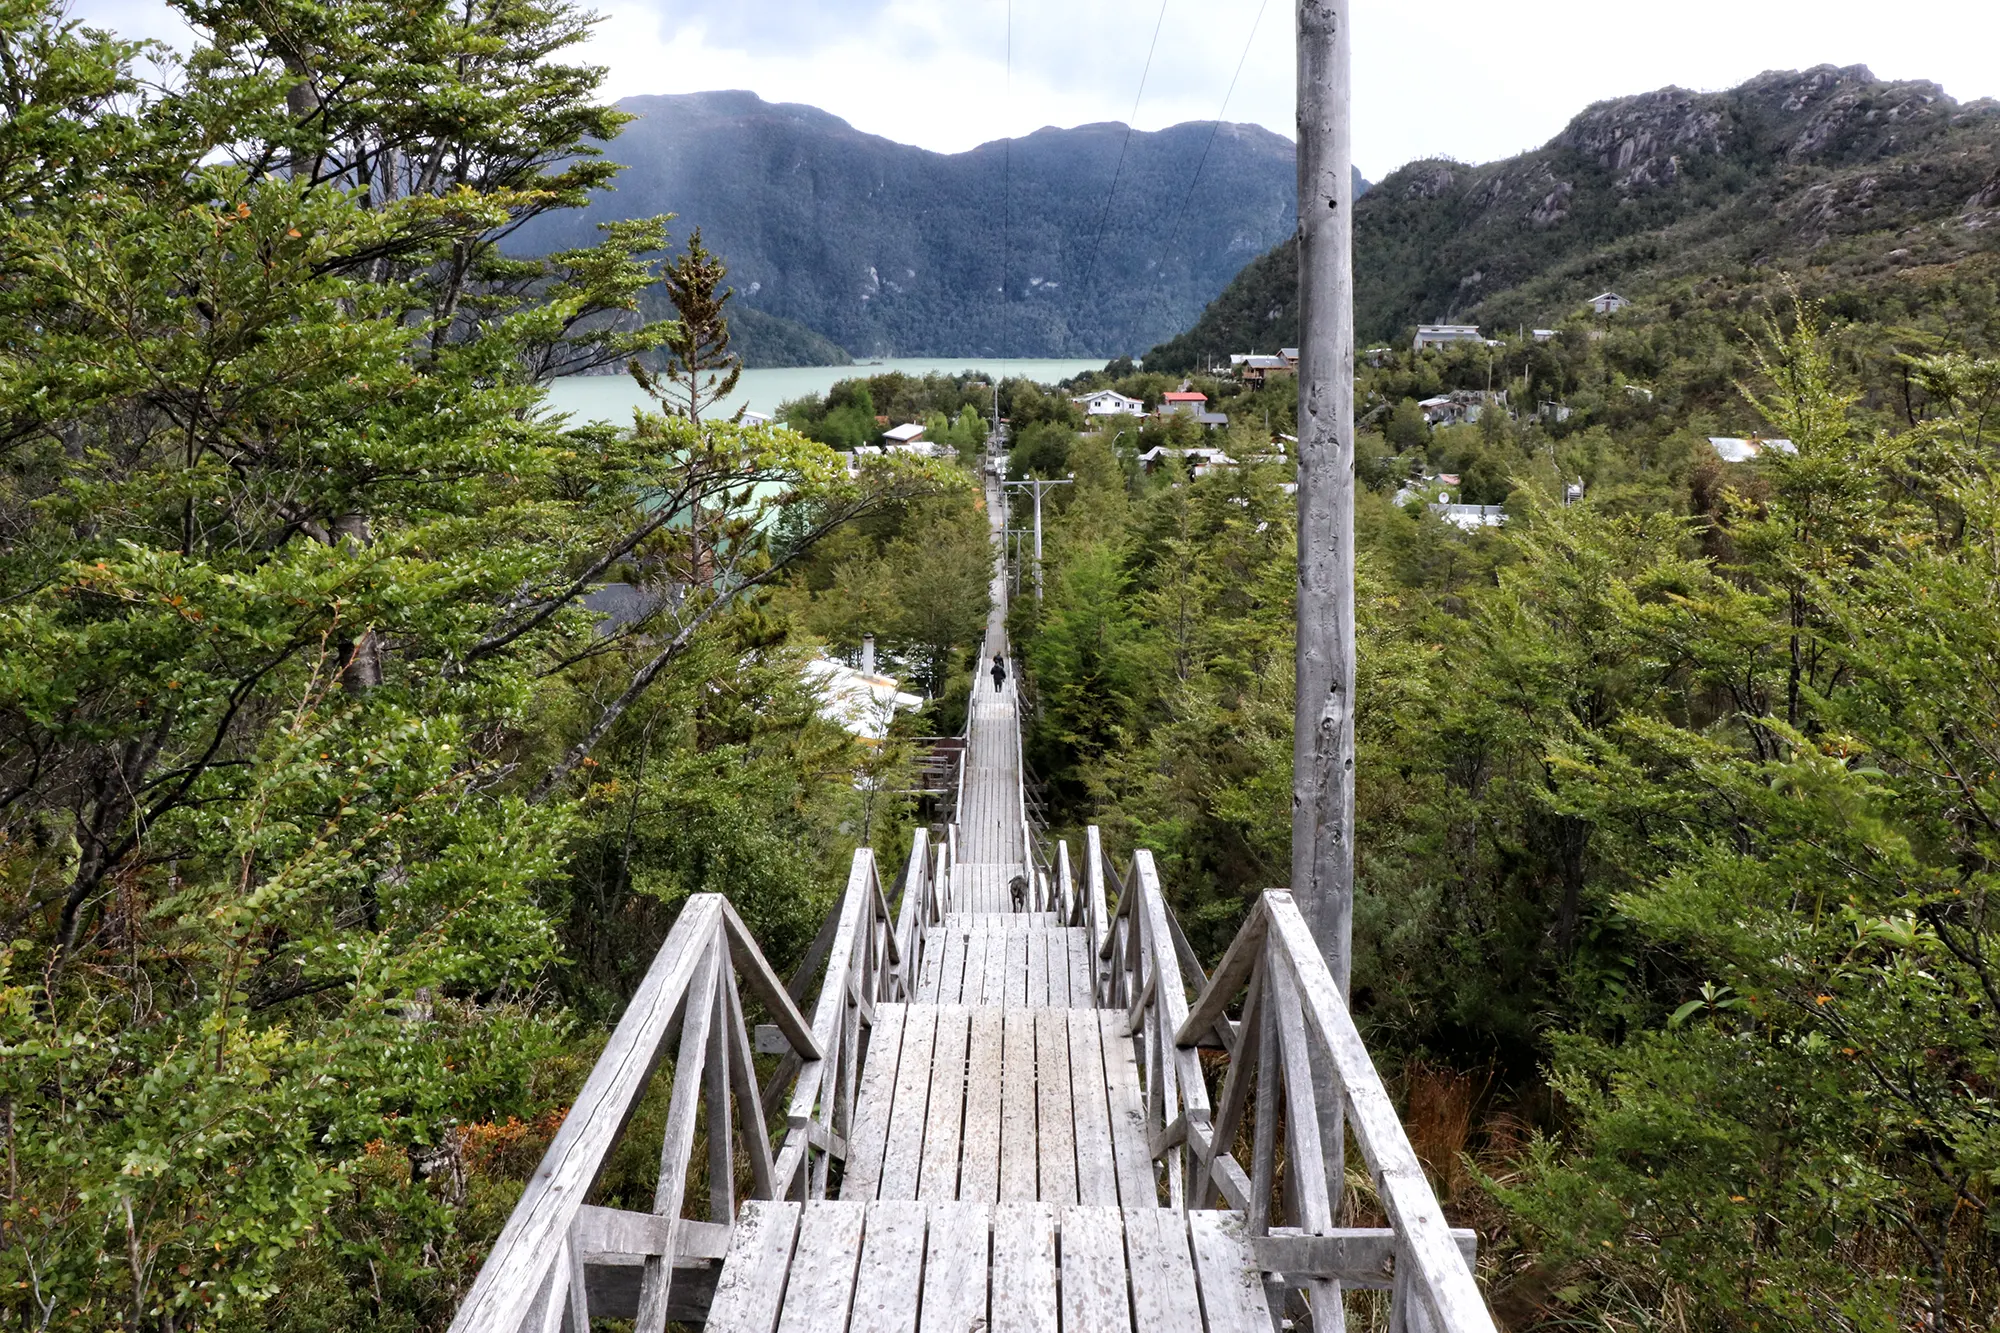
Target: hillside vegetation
x,y
1843,180
890,250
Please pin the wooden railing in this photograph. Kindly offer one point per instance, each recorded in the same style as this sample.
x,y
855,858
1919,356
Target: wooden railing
x,y
1291,1039
560,1262
863,969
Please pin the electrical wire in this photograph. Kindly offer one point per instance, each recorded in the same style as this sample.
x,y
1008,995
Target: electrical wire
x,y
1173,231
1007,198
1104,216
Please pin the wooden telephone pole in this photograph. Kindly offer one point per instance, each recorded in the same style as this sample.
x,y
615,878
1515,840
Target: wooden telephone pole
x,y
1323,738
1323,734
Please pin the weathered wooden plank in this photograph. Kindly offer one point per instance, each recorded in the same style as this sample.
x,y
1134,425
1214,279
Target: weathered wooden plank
x,y
994,991
1096,1168
1130,1151
1056,1132
677,1144
763,982
821,1283
890,1280
1232,1286
955,1269
933,970
979,945
939,1178
752,1285
902,1161
952,970
1164,1299
979,1157
1082,964
874,1105
1024,1269
1037,977
1093,1271
1017,969
1017,1109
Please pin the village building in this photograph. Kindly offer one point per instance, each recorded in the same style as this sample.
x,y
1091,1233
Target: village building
x,y
1446,335
1200,460
1109,403
1258,370
1185,402
909,433
1608,303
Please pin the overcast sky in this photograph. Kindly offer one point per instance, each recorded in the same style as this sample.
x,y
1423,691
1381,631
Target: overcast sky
x,y
1470,79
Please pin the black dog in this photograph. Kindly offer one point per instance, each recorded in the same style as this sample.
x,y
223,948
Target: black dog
x,y
1019,889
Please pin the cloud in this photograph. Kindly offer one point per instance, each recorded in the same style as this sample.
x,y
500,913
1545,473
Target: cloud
x,y
1444,78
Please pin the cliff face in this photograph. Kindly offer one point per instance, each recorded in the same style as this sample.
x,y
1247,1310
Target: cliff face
x,y
1824,168
886,248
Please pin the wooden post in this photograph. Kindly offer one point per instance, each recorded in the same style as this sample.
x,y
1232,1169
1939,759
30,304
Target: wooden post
x,y
1323,737
1323,741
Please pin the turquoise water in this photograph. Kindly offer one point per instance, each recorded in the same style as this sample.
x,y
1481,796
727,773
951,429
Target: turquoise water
x,y
612,397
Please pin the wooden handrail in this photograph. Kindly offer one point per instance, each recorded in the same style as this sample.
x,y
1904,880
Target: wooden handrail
x,y
534,1277
1294,1022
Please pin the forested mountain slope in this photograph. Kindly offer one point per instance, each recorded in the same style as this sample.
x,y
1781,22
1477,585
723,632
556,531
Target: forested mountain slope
x,y
1844,179
891,249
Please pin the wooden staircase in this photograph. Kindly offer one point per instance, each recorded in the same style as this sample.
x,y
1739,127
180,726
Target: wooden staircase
x,y
993,1119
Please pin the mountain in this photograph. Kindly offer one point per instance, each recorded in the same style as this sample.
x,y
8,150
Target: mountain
x,y
889,249
1829,174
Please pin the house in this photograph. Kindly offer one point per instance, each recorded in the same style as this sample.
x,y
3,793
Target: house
x,y
1184,401
1109,403
1200,460
754,419
1608,303
1444,335
1733,450
1543,335
1259,369
1291,355
1464,405
1471,518
1212,419
910,433
858,701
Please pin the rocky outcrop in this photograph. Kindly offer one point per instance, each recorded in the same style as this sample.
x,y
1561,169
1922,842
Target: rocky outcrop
x,y
1642,140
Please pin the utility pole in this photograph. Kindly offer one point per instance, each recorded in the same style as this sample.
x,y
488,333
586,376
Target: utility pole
x,y
1323,724
1039,487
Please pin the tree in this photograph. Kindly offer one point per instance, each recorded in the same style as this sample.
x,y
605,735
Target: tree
x,y
697,344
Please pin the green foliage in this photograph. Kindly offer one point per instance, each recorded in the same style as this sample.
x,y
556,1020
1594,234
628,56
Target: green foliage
x,y
299,688
1676,804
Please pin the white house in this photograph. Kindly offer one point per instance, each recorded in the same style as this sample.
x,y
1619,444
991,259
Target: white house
x,y
1608,303
859,702
1543,335
1471,518
1731,449
1109,403
1444,335
909,433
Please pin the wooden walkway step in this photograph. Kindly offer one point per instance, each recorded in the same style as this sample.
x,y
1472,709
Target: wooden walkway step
x,y
982,886
1009,966
912,1267
986,1104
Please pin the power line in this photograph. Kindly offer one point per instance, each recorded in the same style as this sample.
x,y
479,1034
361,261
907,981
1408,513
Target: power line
x,y
1090,268
1007,199
1173,231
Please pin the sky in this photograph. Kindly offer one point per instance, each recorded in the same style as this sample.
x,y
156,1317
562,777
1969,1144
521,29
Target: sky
x,y
1473,80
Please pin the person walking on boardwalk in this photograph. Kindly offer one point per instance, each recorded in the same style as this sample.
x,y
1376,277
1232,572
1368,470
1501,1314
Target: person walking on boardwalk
x,y
999,673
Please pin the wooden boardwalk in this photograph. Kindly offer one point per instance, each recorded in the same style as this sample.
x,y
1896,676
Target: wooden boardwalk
x,y
998,1120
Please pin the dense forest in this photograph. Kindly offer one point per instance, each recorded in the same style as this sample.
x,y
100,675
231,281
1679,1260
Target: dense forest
x,y
1679,803
335,822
